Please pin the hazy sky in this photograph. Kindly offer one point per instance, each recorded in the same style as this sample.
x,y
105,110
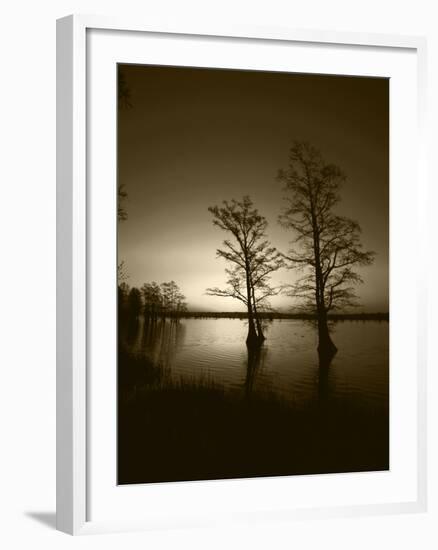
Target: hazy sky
x,y
195,137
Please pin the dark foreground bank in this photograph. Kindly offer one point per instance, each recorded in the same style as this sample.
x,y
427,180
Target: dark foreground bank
x,y
195,430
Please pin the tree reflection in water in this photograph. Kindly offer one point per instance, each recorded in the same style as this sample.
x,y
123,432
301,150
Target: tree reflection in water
x,y
255,358
325,378
160,340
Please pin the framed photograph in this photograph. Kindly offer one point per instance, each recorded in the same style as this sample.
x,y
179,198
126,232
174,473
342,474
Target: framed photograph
x,y
240,336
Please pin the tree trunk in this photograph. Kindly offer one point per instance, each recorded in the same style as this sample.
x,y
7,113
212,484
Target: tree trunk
x,y
252,338
260,334
326,347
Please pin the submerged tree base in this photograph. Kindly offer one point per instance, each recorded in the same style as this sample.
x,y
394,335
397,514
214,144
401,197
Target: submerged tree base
x,y
326,349
255,340
326,355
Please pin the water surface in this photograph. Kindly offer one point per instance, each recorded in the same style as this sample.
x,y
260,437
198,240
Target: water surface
x,y
287,364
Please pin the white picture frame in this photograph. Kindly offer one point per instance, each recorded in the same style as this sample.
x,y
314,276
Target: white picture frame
x,y
75,219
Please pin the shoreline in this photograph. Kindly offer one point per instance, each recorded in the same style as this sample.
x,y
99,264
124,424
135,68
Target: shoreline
x,y
277,315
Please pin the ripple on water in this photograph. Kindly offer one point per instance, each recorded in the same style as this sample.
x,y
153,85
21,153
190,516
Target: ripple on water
x,y
287,363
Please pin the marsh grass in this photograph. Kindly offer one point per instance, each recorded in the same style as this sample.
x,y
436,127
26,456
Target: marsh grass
x,y
194,429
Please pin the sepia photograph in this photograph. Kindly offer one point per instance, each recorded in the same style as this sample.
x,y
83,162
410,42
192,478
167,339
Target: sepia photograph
x,y
252,274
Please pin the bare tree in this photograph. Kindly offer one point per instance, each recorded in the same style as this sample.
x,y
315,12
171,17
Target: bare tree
x,y
152,299
164,300
135,303
121,272
180,304
123,91
251,256
327,246
173,301
124,102
122,215
121,268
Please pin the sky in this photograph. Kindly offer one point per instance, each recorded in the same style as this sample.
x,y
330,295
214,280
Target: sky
x,y
194,137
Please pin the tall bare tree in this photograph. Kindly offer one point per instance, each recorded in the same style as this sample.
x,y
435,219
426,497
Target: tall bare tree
x,y
327,246
252,259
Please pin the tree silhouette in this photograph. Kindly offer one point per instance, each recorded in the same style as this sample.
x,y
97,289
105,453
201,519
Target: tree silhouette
x,y
152,299
252,258
122,300
173,301
121,272
165,300
122,215
123,91
135,304
326,246
124,102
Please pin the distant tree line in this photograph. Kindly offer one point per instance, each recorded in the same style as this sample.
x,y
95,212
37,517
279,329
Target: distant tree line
x,y
273,314
153,301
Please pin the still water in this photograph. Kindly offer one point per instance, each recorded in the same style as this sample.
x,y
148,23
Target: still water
x,y
287,364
